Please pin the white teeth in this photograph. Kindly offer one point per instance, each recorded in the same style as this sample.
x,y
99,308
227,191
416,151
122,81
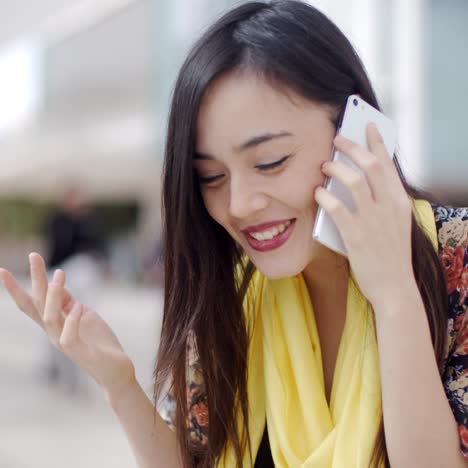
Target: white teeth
x,y
267,235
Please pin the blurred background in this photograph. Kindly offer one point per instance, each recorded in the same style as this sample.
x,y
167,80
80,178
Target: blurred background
x,y
84,93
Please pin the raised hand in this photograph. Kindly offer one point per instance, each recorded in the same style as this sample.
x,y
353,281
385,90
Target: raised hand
x,y
72,327
380,228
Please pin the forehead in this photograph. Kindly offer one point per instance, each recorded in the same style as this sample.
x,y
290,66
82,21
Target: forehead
x,y
240,104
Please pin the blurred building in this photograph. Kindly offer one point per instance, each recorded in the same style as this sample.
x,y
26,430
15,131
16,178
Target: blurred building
x,y
84,92
88,86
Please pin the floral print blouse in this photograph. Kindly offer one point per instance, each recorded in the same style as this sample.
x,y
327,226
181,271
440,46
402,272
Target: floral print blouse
x,y
452,231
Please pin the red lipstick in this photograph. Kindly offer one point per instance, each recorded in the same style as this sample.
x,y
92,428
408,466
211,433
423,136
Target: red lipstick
x,y
268,244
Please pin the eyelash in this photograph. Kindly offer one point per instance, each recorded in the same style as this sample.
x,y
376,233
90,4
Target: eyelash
x,y
262,167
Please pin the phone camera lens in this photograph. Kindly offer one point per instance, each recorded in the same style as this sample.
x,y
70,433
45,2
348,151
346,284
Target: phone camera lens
x,y
355,102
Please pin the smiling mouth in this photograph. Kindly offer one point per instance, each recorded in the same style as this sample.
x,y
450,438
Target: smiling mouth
x,y
271,238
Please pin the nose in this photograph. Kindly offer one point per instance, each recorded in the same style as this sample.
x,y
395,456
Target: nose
x,y
245,198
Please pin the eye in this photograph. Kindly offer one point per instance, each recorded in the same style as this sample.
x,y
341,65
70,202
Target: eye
x,y
267,167
262,167
209,180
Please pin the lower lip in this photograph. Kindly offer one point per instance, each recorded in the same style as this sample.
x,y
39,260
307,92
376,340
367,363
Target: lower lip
x,y
270,244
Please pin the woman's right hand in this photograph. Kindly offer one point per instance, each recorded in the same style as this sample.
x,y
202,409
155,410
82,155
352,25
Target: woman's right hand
x,y
72,327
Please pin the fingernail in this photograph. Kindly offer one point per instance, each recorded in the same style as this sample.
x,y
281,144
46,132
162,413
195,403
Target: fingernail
x,y
56,276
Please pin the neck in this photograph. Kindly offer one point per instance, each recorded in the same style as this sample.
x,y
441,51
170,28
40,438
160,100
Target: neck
x,y
327,274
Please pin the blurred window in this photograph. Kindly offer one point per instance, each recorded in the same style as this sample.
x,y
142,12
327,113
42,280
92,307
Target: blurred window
x,y
19,84
446,96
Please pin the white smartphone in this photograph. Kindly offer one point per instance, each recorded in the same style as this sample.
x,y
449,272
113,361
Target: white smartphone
x,y
353,123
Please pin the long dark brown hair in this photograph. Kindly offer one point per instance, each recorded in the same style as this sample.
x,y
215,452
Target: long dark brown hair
x,y
291,45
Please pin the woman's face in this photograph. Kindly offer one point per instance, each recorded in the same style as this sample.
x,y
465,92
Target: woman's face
x,y
258,158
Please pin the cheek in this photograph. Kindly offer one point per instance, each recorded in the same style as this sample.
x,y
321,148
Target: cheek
x,y
299,186
215,205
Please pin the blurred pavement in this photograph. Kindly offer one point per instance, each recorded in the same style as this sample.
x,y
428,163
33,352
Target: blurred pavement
x,y
44,425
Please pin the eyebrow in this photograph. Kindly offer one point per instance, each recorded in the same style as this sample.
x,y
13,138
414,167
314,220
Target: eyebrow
x,y
250,143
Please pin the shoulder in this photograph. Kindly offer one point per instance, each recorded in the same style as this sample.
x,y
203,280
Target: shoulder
x,y
197,420
197,424
452,225
452,235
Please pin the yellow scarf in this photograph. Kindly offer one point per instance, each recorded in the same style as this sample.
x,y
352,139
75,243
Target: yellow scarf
x,y
286,382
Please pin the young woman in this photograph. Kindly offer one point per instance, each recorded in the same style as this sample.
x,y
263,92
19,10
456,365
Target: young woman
x,y
275,351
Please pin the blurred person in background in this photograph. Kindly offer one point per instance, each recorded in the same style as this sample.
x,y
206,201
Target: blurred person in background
x,y
75,245
276,351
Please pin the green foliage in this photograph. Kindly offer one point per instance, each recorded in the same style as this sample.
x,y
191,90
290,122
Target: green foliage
x,y
22,219
116,218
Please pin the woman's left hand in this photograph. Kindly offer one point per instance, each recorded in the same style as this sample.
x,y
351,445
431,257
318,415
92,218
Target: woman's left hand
x,y
378,234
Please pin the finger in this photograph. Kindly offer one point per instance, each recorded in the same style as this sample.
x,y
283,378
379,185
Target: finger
x,y
68,301
377,145
355,182
22,299
39,280
370,164
70,334
53,320
337,210
70,339
357,154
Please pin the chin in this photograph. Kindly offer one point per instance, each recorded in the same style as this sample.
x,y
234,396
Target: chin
x,y
276,272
